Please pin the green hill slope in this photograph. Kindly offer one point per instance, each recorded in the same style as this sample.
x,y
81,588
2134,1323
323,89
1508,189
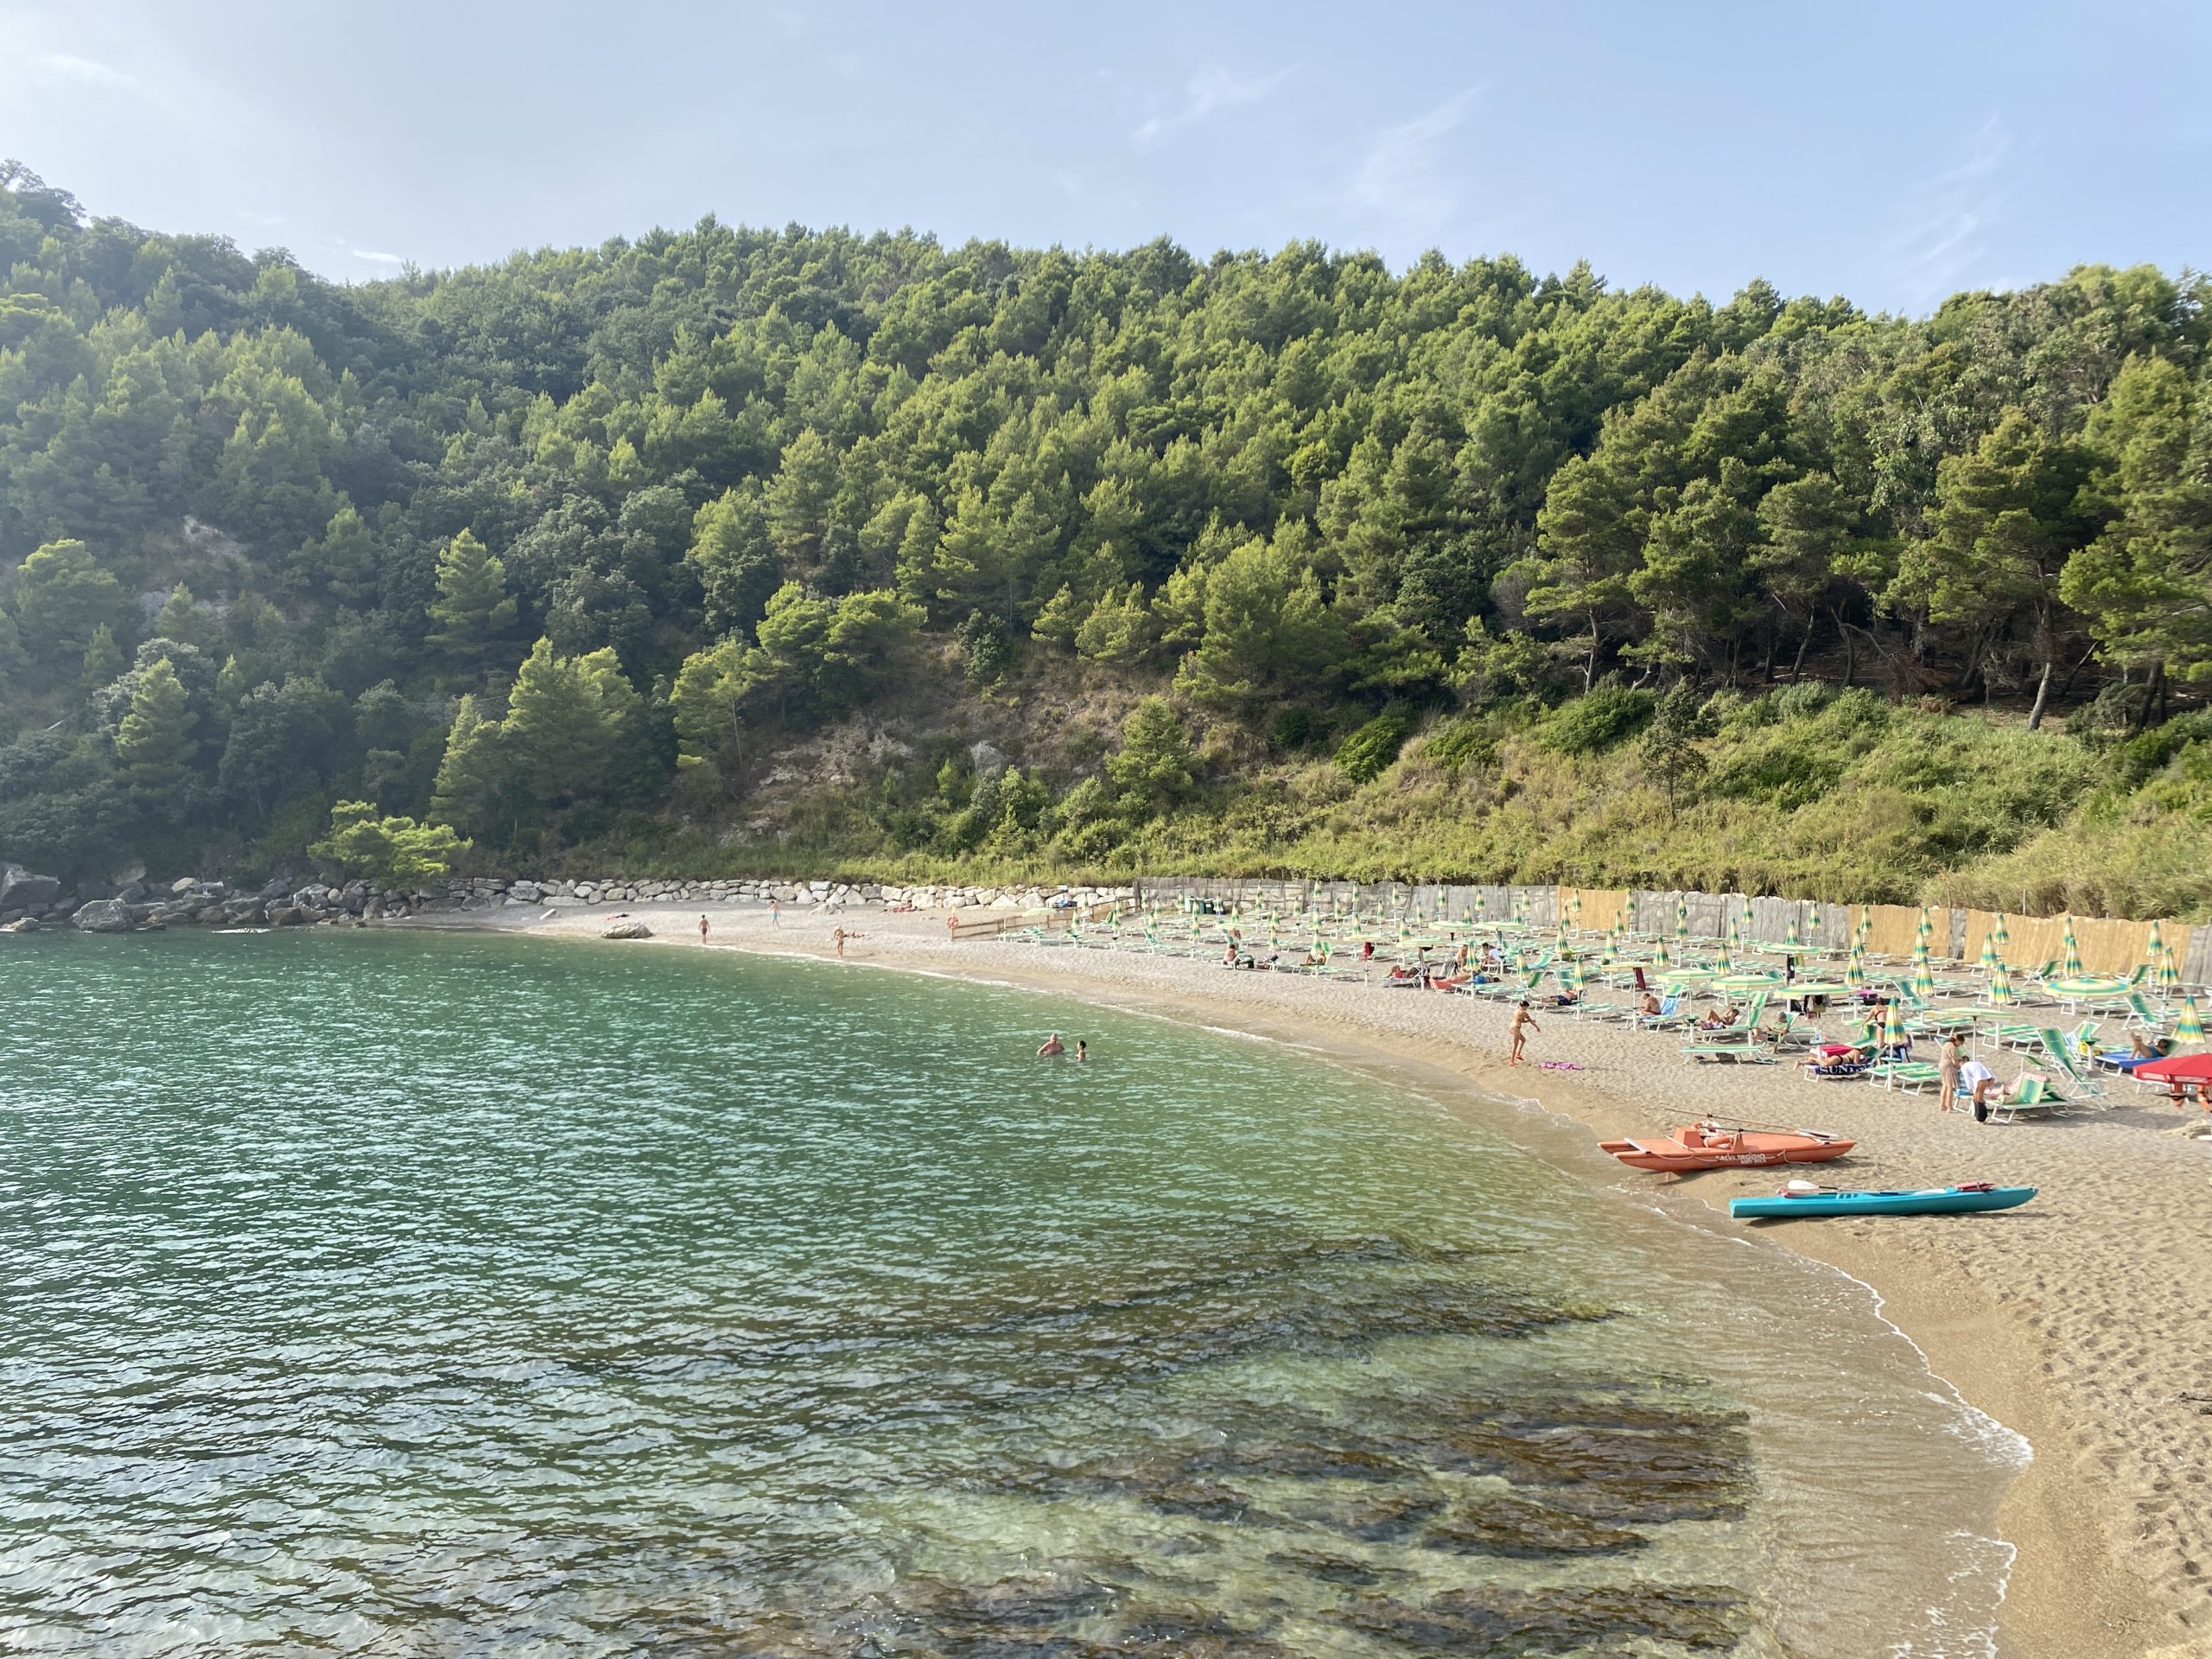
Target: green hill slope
x,y
742,548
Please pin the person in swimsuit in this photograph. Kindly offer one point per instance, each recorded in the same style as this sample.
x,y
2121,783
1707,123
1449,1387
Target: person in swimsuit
x,y
1053,1048
703,929
1082,1049
1517,1033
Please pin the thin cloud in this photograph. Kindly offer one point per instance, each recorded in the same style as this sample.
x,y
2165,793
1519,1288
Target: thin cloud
x,y
376,258
1401,186
1207,92
89,72
1945,220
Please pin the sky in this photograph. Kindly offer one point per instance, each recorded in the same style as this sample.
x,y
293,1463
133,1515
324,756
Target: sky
x,y
1890,153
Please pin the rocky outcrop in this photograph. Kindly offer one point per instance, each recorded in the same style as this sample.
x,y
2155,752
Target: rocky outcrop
x,y
627,930
104,916
23,924
22,890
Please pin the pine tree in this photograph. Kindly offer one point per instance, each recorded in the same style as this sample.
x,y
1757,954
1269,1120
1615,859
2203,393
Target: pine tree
x,y
103,660
182,619
154,748
474,774
565,718
474,613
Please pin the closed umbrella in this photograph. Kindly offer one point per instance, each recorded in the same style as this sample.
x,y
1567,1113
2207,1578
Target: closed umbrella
x,y
1855,970
1989,959
1924,978
2073,963
2168,976
2000,986
2002,934
1682,920
2190,1028
1720,957
1482,907
2155,943
1926,928
1792,943
1660,960
1747,917
1812,919
1574,909
1570,977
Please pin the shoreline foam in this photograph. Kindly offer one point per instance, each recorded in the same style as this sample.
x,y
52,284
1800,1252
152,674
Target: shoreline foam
x,y
2053,1357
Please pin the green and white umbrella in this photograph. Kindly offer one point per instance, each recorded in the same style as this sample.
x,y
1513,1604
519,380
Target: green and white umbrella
x,y
1574,908
2167,976
1926,927
1855,970
2190,1026
1893,1030
1747,916
1791,943
1660,960
1990,963
2072,966
2001,933
2000,985
1482,907
1923,979
1812,918
1570,977
1720,959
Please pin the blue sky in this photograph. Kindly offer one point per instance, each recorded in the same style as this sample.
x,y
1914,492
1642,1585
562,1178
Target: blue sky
x,y
1891,153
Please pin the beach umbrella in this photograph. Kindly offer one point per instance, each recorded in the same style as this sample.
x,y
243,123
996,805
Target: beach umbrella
x,y
2168,975
1989,961
2072,966
1893,1030
1924,978
2190,1028
1720,957
2000,985
1855,970
1681,922
1574,908
1660,960
1813,917
1747,918
1570,977
1481,906
2000,934
1791,943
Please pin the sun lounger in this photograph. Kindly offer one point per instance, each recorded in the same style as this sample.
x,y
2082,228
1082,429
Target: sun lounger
x,y
2063,1050
2031,1095
1913,1075
2145,1015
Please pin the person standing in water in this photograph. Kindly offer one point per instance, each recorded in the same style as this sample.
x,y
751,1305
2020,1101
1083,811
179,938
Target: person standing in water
x,y
1082,1049
1053,1048
1517,1033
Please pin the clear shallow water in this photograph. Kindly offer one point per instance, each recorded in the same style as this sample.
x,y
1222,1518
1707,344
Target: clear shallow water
x,y
421,1294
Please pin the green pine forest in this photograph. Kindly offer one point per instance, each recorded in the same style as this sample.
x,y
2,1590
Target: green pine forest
x,y
737,550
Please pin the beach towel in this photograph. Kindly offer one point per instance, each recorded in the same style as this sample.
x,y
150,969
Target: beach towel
x,y
1559,1065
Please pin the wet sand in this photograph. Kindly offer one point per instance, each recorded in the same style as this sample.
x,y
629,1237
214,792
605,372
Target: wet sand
x,y
2080,1320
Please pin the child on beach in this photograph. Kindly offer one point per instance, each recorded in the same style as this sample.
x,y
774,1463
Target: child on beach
x,y
1517,1033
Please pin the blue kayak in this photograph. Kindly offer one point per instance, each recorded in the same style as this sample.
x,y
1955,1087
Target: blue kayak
x,y
1928,1201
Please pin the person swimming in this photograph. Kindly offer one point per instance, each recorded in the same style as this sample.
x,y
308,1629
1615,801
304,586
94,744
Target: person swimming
x,y
1052,1049
1082,1049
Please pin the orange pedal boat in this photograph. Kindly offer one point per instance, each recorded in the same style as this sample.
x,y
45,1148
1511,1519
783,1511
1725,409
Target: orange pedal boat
x,y
1715,1146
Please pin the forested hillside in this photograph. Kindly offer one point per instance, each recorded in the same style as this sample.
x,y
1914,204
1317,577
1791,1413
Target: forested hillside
x,y
738,549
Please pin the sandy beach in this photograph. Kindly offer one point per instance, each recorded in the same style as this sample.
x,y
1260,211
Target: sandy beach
x,y
2079,1320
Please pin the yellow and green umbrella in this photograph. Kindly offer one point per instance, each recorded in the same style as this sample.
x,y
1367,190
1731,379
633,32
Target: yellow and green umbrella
x,y
1482,907
1747,916
2167,976
1574,908
1570,977
1855,970
1791,943
2000,985
1923,977
2190,1026
1661,962
1681,921
1893,1030
1926,928
2000,934
1812,918
1720,957
1990,963
2072,966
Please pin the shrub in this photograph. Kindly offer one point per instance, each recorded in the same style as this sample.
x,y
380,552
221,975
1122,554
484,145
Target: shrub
x,y
1367,752
1803,699
1294,729
1593,724
1456,743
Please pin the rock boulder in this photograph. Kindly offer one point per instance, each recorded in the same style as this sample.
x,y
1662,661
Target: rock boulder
x,y
104,916
628,930
22,890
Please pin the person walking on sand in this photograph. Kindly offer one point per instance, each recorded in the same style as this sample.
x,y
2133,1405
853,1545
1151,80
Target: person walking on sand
x,y
775,913
1517,1033
840,936
702,927
1947,1098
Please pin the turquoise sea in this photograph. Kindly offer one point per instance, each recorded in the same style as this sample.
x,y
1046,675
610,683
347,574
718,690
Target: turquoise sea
x,y
414,1294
